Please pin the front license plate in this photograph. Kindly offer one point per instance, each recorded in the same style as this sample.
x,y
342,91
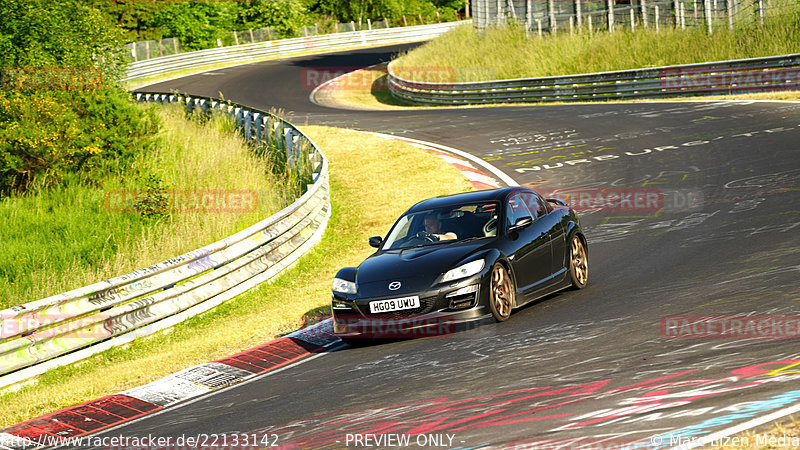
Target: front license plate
x,y
395,304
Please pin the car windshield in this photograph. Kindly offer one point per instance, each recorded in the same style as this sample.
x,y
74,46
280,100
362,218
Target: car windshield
x,y
437,226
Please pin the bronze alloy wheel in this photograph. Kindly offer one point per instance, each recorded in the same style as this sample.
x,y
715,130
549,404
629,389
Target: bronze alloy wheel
x,y
501,296
578,263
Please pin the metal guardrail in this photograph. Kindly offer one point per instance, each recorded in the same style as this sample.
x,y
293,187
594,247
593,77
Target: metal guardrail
x,y
81,322
776,73
261,50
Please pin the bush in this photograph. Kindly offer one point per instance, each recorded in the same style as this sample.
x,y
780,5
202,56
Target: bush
x,y
58,33
49,136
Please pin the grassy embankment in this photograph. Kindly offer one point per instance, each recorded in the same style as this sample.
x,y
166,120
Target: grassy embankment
x,y
75,234
466,54
269,310
497,53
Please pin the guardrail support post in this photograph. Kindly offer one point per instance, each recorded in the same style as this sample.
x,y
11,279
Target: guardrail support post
x,y
248,123
289,148
633,20
730,13
528,15
677,13
257,126
656,17
644,14
683,16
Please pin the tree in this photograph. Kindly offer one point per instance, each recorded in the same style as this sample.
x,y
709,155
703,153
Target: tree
x,y
47,33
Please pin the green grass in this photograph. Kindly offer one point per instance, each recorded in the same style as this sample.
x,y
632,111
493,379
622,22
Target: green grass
x,y
71,236
506,52
398,175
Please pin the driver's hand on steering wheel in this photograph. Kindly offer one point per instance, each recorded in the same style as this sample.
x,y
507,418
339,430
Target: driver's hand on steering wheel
x,y
428,236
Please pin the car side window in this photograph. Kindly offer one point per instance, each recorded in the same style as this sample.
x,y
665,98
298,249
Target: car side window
x,y
516,209
534,204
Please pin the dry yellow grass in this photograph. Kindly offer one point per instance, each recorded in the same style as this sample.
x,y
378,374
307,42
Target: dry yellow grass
x,y
397,176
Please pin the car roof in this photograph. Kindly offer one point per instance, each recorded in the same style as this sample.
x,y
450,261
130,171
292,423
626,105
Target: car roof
x,y
466,197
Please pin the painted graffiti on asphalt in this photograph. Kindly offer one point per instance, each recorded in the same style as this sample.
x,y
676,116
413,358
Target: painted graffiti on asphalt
x,y
644,403
640,152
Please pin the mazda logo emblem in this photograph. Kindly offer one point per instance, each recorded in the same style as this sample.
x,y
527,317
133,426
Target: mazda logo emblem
x,y
394,285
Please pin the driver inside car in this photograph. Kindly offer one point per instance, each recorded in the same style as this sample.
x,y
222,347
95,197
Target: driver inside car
x,y
433,227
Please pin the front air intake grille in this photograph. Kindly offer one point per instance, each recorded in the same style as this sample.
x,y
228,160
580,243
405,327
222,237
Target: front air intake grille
x,y
463,301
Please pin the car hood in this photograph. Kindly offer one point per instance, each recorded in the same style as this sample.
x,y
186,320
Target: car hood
x,y
415,268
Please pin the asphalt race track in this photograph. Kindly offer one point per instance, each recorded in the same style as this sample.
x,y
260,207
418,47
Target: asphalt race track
x,y
612,365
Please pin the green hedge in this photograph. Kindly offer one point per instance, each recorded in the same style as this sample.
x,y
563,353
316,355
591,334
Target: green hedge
x,y
49,136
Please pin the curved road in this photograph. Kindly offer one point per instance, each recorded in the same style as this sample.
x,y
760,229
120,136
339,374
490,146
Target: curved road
x,y
598,367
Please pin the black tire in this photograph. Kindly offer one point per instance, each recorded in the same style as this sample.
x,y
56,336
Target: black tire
x,y
578,263
501,293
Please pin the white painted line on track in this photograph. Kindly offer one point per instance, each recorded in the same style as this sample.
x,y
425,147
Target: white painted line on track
x,y
505,178
722,434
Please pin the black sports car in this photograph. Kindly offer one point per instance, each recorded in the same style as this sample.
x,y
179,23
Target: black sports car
x,y
458,259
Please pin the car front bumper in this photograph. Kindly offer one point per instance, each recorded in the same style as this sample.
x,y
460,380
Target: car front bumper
x,y
443,311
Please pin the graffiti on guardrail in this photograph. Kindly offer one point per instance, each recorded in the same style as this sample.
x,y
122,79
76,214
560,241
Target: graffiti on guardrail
x,y
720,77
81,328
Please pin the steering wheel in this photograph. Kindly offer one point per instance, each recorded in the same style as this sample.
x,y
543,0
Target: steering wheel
x,y
428,236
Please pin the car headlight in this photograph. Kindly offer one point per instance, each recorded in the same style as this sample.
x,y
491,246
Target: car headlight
x,y
463,271
343,286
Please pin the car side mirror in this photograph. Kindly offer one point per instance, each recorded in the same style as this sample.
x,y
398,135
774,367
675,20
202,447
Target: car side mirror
x,y
521,223
375,241
557,201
